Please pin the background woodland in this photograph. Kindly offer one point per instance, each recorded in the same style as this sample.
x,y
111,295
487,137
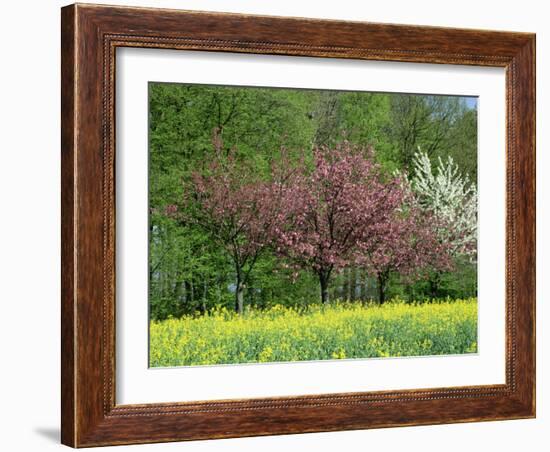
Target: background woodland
x,y
190,125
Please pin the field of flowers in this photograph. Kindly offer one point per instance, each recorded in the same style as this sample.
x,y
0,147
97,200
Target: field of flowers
x,y
336,331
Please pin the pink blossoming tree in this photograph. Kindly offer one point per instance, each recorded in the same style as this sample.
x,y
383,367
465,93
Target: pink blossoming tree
x,y
236,208
336,211
409,247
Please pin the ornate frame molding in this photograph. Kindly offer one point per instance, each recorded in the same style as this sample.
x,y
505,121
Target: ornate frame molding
x,y
90,37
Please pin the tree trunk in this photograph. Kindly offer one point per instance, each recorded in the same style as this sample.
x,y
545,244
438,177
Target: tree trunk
x,y
381,289
323,279
204,293
239,296
433,289
434,285
187,292
178,291
353,284
363,286
345,275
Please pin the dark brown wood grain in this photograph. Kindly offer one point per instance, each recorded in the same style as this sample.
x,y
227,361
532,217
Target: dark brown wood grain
x,y
90,35
67,226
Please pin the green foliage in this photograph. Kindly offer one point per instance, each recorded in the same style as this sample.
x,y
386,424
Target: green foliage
x,y
439,125
338,331
188,273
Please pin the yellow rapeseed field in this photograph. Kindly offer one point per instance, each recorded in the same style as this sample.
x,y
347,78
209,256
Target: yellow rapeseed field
x,y
336,331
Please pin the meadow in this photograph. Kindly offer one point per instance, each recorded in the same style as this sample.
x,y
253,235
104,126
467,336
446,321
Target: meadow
x,y
318,332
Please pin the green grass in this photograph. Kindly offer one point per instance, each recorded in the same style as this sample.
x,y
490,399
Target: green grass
x,y
337,331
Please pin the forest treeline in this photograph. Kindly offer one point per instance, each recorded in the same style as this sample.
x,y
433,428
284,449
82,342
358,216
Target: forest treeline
x,y
189,272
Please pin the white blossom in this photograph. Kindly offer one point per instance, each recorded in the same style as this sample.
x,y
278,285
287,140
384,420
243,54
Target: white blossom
x,y
451,198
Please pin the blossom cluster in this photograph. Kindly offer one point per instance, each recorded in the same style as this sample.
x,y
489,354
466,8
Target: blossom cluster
x,y
322,212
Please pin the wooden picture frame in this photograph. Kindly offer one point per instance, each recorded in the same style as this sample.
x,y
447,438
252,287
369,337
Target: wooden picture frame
x,y
90,36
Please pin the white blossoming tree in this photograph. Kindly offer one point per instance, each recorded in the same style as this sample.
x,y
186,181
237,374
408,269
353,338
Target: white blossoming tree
x,y
451,199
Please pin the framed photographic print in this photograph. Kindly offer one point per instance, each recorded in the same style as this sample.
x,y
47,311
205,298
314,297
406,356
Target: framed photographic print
x,y
280,225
